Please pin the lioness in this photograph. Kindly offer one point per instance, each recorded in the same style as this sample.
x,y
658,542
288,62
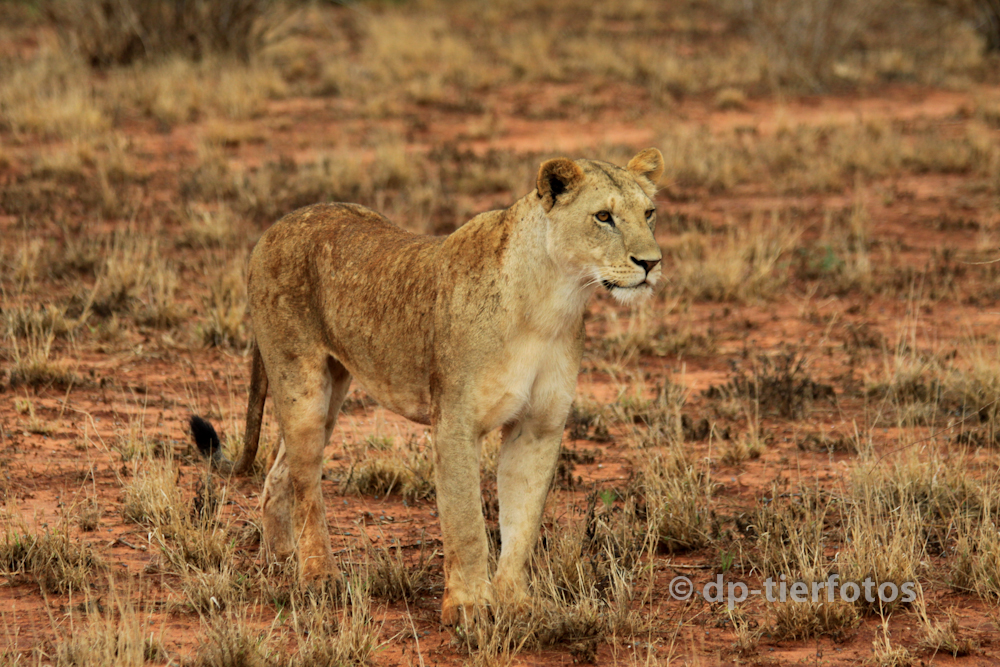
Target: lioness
x,y
477,330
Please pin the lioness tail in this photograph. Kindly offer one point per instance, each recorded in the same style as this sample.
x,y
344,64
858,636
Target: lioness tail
x,y
207,440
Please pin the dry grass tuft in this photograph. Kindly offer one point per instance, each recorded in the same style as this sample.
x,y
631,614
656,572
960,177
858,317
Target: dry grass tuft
x,y
380,468
945,636
135,278
27,321
56,561
192,537
390,578
884,654
805,620
790,538
649,331
276,188
119,635
30,335
840,259
88,517
231,641
822,158
178,91
678,500
661,415
152,497
804,41
205,227
348,638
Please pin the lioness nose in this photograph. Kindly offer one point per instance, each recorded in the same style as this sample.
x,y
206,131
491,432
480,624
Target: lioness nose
x,y
647,264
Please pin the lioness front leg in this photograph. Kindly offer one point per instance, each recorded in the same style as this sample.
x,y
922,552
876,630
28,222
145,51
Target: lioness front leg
x,y
527,461
463,530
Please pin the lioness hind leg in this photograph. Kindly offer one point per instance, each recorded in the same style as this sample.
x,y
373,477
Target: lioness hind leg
x,y
277,505
303,397
341,383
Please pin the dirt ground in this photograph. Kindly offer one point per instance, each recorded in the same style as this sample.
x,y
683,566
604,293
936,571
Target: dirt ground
x,y
863,289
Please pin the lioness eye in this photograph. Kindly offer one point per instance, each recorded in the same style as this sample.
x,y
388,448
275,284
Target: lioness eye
x,y
649,213
604,216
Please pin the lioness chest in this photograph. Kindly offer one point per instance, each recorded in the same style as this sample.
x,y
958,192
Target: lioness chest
x,y
534,376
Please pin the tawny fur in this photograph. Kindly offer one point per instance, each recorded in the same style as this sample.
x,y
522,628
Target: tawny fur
x,y
467,333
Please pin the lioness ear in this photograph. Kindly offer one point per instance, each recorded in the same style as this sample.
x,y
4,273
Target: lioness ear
x,y
556,177
648,164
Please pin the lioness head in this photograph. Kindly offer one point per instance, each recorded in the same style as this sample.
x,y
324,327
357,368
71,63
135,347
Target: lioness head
x,y
602,219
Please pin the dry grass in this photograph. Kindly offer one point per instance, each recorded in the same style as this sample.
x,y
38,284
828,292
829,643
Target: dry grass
x,y
805,42
205,227
192,536
115,634
749,263
791,537
189,65
945,636
349,637
130,30
56,561
650,330
277,188
841,258
678,499
178,91
152,496
884,653
778,385
230,640
885,546
822,157
391,578
919,387
31,335
381,467
226,304
135,278
51,96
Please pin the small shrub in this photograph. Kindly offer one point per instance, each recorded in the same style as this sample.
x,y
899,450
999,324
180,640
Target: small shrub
x,y
776,386
120,32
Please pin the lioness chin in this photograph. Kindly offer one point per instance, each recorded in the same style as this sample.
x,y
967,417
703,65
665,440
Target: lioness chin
x,y
479,330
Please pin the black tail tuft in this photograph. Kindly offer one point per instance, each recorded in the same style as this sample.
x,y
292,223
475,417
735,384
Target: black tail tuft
x,y
205,437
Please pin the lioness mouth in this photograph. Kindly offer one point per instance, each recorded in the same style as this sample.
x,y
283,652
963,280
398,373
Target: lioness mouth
x,y
610,285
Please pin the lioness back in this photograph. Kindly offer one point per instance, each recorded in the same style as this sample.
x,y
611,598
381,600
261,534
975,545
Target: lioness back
x,y
355,253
